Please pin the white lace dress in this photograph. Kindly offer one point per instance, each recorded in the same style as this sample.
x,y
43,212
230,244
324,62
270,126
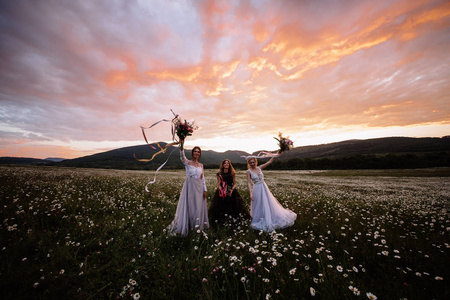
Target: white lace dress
x,y
192,212
267,213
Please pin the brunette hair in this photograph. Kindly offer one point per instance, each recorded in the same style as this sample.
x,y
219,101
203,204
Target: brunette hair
x,y
248,159
196,147
230,168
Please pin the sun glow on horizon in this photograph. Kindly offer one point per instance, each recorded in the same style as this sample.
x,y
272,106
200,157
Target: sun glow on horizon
x,y
75,149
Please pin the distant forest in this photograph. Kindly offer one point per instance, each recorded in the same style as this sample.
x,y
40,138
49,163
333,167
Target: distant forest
x,y
369,161
380,153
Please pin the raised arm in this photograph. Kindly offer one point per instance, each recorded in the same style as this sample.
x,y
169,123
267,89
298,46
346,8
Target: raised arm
x,y
249,184
267,163
183,158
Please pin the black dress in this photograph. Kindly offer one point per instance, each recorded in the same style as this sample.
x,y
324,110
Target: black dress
x,y
231,208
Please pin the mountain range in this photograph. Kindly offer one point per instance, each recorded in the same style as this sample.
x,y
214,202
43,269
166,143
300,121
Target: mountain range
x,y
381,150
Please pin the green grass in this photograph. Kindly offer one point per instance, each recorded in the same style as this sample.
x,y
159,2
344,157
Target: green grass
x,y
96,234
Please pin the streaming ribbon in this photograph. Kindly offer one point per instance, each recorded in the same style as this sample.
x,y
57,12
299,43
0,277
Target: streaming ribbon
x,y
157,170
161,149
262,154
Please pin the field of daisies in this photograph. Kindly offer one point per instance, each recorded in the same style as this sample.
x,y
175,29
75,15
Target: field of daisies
x,y
96,234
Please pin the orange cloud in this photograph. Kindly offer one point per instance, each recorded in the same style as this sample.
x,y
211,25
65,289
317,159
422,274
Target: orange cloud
x,y
293,49
260,31
241,68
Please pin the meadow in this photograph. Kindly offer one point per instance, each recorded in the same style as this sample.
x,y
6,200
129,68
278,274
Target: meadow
x,y
70,233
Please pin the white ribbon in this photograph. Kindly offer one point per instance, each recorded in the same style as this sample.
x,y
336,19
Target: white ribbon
x,y
157,170
263,154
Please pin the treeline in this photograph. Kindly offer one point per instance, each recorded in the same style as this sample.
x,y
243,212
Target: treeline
x,y
130,164
370,161
358,161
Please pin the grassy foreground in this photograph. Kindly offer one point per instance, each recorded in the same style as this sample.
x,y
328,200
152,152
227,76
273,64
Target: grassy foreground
x,y
96,234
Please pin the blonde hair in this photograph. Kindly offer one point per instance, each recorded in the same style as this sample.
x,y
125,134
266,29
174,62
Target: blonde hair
x,y
248,159
230,168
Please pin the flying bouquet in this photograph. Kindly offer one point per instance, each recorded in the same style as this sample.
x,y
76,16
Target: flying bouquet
x,y
180,130
284,142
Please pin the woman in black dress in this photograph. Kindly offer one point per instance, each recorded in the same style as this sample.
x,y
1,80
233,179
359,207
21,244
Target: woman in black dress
x,y
227,204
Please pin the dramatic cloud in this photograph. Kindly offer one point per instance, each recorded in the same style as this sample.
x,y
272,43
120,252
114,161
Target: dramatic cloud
x,y
80,77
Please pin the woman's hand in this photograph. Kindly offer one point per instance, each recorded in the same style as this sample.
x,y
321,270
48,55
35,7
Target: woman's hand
x,y
204,195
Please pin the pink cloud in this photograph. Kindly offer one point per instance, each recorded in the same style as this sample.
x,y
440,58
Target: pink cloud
x,y
95,72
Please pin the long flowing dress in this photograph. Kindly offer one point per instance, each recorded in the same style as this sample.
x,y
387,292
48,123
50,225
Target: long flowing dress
x,y
192,212
230,208
267,212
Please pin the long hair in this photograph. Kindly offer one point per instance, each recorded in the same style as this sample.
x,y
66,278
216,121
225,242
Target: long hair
x,y
230,168
250,158
192,151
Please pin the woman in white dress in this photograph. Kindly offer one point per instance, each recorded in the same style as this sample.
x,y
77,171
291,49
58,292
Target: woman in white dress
x,y
192,212
267,213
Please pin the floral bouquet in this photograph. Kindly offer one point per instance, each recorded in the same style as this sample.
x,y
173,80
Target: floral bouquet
x,y
182,129
284,142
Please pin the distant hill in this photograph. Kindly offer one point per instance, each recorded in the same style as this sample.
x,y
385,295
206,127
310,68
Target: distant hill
x,y
123,158
55,159
381,146
380,153
6,160
389,152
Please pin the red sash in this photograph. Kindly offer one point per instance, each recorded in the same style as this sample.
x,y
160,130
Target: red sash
x,y
222,187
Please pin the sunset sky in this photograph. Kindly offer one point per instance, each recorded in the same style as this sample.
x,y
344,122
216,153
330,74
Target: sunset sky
x,y
81,77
